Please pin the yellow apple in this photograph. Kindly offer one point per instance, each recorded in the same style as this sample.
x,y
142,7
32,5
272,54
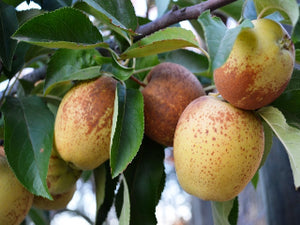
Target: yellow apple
x,y
83,123
217,148
15,200
60,177
60,201
259,66
170,88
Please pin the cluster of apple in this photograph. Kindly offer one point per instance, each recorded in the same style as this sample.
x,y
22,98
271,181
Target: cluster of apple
x,y
16,201
218,142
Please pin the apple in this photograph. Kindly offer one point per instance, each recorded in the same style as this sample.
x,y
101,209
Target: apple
x,y
60,177
217,148
170,88
259,66
60,201
15,199
83,123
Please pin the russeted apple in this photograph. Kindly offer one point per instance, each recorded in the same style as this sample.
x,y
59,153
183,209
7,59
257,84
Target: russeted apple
x,y
217,148
170,88
83,123
60,177
15,200
60,201
259,66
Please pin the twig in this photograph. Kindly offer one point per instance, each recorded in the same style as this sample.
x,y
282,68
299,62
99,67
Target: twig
x,y
176,15
37,74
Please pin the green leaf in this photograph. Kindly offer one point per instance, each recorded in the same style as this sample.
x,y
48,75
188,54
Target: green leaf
x,y
194,62
289,137
255,179
18,59
63,28
221,212
161,41
8,25
125,212
119,12
234,213
296,33
25,88
162,6
25,15
119,15
144,65
145,177
219,39
116,69
35,52
13,2
288,9
294,83
249,11
38,216
110,187
268,134
234,9
288,102
297,56
68,64
127,128
28,141
100,179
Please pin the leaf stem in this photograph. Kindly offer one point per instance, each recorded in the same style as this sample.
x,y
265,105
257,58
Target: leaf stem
x,y
204,52
137,81
262,12
142,70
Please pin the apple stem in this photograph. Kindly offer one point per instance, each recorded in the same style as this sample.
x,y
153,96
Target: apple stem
x,y
137,81
262,12
209,88
214,94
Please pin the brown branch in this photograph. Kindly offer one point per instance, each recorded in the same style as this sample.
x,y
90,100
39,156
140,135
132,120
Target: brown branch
x,y
177,15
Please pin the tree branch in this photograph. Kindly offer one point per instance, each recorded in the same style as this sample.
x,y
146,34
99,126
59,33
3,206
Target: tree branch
x,y
176,15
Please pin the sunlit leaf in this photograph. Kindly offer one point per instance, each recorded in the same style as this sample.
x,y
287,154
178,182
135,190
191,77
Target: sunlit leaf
x,y
63,28
118,15
161,41
125,212
289,137
289,9
68,64
221,211
219,38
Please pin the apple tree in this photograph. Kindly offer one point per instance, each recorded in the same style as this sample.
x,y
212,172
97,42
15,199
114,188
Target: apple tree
x,y
68,42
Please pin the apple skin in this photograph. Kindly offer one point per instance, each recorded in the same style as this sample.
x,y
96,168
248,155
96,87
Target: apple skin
x,y
15,199
83,123
170,88
217,148
60,201
259,66
60,177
